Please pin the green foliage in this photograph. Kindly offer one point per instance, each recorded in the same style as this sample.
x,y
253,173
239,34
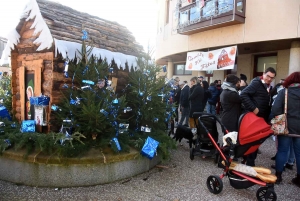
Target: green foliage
x,y
85,104
5,93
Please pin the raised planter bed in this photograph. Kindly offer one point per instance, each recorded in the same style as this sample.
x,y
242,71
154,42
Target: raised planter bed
x,y
92,169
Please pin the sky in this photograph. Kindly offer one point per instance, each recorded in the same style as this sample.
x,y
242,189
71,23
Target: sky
x,y
139,16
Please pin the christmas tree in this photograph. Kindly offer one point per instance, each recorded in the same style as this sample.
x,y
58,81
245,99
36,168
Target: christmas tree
x,y
91,109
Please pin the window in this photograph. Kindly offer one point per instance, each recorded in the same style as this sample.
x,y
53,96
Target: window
x,y
179,69
262,62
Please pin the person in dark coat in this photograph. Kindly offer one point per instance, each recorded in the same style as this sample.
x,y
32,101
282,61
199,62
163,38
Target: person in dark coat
x,y
256,98
207,94
184,104
292,84
212,101
196,99
231,103
177,98
244,83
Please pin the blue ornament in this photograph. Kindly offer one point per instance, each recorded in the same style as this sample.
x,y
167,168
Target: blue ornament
x,y
111,70
164,68
85,70
85,35
88,87
54,107
115,102
149,98
7,141
155,120
127,109
75,102
90,82
141,93
116,142
146,72
65,86
13,125
72,102
66,69
66,74
104,112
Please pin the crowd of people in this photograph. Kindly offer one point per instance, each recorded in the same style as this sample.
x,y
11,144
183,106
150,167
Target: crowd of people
x,y
234,97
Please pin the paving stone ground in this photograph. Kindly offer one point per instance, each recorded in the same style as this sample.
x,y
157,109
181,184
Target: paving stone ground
x,y
183,180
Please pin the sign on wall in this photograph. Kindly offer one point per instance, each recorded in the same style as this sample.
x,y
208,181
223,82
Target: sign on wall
x,y
221,59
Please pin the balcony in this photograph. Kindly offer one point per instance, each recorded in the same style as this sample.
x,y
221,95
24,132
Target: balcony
x,y
194,17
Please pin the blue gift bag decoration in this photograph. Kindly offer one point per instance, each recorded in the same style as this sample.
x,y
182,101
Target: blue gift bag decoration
x,y
149,148
115,140
28,126
40,100
4,113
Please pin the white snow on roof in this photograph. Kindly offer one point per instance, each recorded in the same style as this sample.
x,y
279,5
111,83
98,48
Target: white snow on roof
x,y
66,48
45,39
70,50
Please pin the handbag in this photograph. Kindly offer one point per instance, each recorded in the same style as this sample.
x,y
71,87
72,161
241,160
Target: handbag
x,y
279,122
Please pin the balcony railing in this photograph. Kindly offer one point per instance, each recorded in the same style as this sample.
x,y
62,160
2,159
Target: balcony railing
x,y
195,17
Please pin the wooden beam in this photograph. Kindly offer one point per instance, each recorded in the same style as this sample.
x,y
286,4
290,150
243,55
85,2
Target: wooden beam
x,y
22,90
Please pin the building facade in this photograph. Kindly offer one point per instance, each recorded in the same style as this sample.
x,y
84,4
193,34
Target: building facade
x,y
267,34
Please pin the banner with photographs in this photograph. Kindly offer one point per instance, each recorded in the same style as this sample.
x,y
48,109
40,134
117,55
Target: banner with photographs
x,y
221,59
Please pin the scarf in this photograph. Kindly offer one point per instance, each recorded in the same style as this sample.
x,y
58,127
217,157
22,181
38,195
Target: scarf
x,y
229,86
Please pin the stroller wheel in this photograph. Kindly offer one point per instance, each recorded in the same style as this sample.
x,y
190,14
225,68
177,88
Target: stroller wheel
x,y
192,153
214,184
265,193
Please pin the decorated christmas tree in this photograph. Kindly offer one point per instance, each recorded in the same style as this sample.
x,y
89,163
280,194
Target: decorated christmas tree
x,y
93,115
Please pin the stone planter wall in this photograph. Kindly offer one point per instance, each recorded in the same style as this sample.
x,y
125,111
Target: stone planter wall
x,y
85,171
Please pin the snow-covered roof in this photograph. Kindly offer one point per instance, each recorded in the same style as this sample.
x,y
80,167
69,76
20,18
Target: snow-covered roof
x,y
61,26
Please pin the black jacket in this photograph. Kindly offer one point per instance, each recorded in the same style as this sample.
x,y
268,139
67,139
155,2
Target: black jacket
x,y
293,108
177,96
196,99
231,104
255,95
184,97
215,94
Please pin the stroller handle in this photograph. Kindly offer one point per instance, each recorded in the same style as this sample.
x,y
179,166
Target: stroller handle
x,y
207,115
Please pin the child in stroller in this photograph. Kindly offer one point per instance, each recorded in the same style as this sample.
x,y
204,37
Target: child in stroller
x,y
253,131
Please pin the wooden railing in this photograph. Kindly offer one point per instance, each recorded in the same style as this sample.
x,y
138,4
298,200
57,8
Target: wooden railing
x,y
214,14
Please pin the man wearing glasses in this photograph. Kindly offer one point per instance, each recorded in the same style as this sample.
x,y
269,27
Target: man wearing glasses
x,y
256,98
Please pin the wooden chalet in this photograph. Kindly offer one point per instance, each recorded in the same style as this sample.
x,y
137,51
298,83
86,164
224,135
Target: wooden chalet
x,y
47,33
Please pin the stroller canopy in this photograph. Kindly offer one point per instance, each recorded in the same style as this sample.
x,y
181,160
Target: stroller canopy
x,y
252,128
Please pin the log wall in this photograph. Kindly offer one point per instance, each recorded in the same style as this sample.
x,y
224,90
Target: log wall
x,y
26,58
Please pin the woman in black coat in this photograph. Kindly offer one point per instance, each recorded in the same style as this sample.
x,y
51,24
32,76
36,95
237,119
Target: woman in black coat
x,y
196,99
292,85
231,103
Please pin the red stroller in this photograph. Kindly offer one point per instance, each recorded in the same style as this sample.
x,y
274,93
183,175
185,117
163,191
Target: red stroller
x,y
253,131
